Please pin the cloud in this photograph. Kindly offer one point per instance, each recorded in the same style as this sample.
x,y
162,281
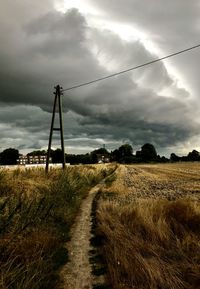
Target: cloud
x,y
161,18
45,51
170,26
43,47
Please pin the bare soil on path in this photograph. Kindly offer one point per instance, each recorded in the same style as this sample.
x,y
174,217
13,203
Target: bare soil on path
x,y
76,274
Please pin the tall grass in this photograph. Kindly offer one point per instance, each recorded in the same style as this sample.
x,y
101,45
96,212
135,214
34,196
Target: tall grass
x,y
36,213
151,244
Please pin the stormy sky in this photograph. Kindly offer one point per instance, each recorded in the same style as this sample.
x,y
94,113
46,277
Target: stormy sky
x,y
67,42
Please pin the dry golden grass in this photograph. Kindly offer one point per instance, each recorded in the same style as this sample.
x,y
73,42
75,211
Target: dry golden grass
x,y
151,231
36,214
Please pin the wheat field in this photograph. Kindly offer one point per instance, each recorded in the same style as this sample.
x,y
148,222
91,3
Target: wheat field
x,y
149,220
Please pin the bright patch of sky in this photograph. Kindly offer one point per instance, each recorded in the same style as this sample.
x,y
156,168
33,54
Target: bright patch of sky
x,y
96,19
82,6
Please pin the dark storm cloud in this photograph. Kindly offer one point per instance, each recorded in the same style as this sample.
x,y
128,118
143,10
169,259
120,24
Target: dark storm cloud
x,y
169,25
131,113
150,120
47,50
42,47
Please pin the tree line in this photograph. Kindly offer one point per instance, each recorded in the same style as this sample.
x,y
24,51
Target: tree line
x,y
124,154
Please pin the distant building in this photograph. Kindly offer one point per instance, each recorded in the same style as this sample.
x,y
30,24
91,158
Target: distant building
x,y
30,160
102,158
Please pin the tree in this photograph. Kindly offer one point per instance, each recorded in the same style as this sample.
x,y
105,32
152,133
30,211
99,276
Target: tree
x,y
115,155
123,154
37,153
101,151
193,156
148,152
174,157
9,156
125,150
79,159
57,156
163,159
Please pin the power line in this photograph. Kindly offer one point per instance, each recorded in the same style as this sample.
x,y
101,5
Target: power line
x,y
132,68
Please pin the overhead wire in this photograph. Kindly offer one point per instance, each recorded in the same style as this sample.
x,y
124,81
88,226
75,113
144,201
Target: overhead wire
x,y
131,68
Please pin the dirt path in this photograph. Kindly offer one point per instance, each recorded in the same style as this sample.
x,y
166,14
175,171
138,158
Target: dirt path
x,y
76,274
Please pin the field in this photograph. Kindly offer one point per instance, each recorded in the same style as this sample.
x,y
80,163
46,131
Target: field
x,y
149,221
146,219
36,214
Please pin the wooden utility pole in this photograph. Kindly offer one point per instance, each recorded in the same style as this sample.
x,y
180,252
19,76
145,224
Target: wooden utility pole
x,y
58,94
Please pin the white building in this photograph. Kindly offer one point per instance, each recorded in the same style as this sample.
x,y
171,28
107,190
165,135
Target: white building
x,y
29,160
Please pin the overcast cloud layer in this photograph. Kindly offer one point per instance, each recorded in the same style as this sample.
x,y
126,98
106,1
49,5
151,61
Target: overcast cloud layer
x,y
41,46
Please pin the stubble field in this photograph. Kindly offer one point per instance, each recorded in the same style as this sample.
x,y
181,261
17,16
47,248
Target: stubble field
x,y
149,221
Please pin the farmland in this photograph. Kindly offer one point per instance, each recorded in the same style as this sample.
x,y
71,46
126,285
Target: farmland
x,y
149,220
36,214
